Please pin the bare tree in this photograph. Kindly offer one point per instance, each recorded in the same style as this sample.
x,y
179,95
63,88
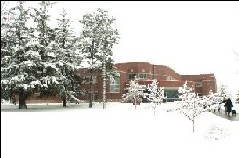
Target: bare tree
x,y
191,105
156,94
134,92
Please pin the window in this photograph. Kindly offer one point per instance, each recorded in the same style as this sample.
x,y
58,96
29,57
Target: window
x,y
132,76
115,84
170,78
87,80
142,76
198,84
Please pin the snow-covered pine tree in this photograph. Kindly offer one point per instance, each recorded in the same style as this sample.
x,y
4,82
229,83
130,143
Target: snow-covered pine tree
x,y
5,53
67,59
96,42
190,105
43,43
134,92
3,6
155,95
4,13
18,61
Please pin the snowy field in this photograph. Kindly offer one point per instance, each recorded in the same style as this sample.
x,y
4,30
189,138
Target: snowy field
x,y
119,131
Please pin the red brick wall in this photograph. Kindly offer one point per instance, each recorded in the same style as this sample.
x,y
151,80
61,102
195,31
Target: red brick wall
x,y
137,67
173,83
207,86
161,72
208,82
199,77
46,99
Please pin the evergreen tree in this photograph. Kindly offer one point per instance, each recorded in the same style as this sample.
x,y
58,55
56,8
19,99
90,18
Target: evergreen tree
x,y
17,59
4,13
5,25
28,65
68,58
59,56
96,42
44,46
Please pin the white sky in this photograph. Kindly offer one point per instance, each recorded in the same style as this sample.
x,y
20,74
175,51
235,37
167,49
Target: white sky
x,y
190,37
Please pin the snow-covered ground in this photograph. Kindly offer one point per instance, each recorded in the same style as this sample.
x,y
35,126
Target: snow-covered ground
x,y
119,131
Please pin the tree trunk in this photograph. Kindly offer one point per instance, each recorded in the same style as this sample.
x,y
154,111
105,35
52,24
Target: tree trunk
x,y
104,83
193,125
64,101
91,91
135,102
154,110
91,77
22,99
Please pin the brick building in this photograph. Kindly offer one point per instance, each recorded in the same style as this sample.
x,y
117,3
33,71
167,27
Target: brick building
x,y
146,72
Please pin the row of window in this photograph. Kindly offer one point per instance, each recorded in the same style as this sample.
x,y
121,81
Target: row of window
x,y
115,82
132,76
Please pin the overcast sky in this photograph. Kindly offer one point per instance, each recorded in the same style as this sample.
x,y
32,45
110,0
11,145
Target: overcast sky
x,y
190,37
